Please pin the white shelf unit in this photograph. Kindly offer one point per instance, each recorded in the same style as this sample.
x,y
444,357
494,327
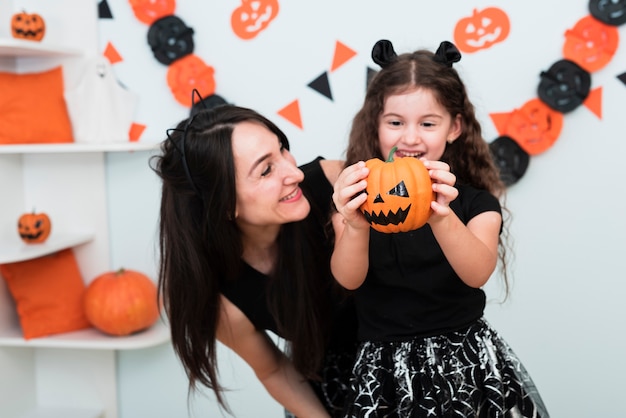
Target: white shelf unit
x,y
70,375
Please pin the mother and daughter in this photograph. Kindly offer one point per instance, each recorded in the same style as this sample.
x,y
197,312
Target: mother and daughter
x,y
374,325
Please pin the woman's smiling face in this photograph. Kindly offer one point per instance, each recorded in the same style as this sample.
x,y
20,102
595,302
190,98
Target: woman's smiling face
x,y
266,177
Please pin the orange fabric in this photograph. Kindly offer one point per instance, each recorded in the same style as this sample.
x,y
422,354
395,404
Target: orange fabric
x,y
48,292
32,108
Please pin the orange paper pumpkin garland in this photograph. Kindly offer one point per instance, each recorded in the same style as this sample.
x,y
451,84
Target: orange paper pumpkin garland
x,y
399,193
29,26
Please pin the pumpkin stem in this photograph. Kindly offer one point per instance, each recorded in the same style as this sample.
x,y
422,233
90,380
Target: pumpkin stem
x,y
390,157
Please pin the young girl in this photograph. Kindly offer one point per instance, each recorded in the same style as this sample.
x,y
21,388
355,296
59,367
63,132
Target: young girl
x,y
426,350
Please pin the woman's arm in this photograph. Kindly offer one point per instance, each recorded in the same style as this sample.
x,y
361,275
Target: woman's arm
x,y
350,259
273,369
472,249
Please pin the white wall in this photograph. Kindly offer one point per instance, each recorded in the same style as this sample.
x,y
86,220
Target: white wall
x,y
565,314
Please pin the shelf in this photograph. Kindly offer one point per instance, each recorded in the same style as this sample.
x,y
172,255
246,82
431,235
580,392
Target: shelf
x,y
63,413
77,147
11,47
89,338
14,250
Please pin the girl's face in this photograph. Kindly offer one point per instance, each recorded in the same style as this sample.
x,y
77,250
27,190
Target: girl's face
x,y
266,177
417,124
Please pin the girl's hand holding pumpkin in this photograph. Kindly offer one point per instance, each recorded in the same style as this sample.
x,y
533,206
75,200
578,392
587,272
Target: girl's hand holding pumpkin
x,y
443,185
349,194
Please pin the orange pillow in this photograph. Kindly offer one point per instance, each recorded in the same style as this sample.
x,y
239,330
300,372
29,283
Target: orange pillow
x,y
48,292
32,108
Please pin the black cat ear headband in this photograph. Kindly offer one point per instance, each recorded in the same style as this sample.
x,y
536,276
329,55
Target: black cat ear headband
x,y
383,53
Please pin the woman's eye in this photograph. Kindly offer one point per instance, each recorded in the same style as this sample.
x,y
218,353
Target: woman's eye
x,y
267,171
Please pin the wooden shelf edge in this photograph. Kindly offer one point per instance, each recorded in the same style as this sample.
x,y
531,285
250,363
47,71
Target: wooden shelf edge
x,y
17,48
90,338
78,147
15,250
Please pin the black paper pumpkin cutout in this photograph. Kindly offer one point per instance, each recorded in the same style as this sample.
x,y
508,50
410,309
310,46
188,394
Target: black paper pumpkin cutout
x,y
564,86
170,39
209,102
510,158
611,12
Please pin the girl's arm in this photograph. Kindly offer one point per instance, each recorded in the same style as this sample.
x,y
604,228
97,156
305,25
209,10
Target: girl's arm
x,y
472,249
273,369
349,262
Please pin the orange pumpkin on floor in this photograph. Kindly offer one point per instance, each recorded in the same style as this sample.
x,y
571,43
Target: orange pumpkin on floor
x,y
399,193
121,302
34,228
30,26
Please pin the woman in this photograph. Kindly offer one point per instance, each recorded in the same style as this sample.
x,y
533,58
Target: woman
x,y
243,250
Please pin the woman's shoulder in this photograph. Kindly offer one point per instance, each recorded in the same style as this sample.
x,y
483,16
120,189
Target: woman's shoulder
x,y
329,168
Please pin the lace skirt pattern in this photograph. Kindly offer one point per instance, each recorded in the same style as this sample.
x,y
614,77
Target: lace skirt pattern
x,y
467,373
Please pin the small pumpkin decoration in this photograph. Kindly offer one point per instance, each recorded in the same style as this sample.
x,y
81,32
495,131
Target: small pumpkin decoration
x,y
253,16
30,26
34,228
121,302
565,86
482,29
399,193
170,39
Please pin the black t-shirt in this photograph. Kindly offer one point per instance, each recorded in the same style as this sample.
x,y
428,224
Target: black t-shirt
x,y
411,289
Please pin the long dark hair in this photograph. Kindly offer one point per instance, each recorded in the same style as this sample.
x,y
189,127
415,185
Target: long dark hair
x,y
468,156
200,246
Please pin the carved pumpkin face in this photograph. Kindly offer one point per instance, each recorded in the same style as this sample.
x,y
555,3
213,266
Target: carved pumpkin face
x,y
511,160
590,44
170,39
535,126
147,11
611,12
29,26
189,73
398,194
565,86
481,30
34,228
252,17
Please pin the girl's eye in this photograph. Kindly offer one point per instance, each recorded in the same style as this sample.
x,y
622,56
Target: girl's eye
x,y
428,124
395,123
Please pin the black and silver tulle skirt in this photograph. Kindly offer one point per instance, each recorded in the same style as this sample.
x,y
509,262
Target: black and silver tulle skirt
x,y
467,373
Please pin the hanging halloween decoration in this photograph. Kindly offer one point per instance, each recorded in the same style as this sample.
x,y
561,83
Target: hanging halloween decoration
x,y
170,39
34,228
29,26
189,73
121,302
253,16
147,11
481,30
611,12
399,193
565,86
510,158
209,102
590,43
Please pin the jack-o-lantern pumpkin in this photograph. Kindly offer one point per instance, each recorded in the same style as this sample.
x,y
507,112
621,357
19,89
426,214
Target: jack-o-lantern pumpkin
x,y
611,12
121,302
34,228
399,193
30,26
590,43
189,73
170,39
147,11
482,29
511,160
252,17
535,126
565,86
